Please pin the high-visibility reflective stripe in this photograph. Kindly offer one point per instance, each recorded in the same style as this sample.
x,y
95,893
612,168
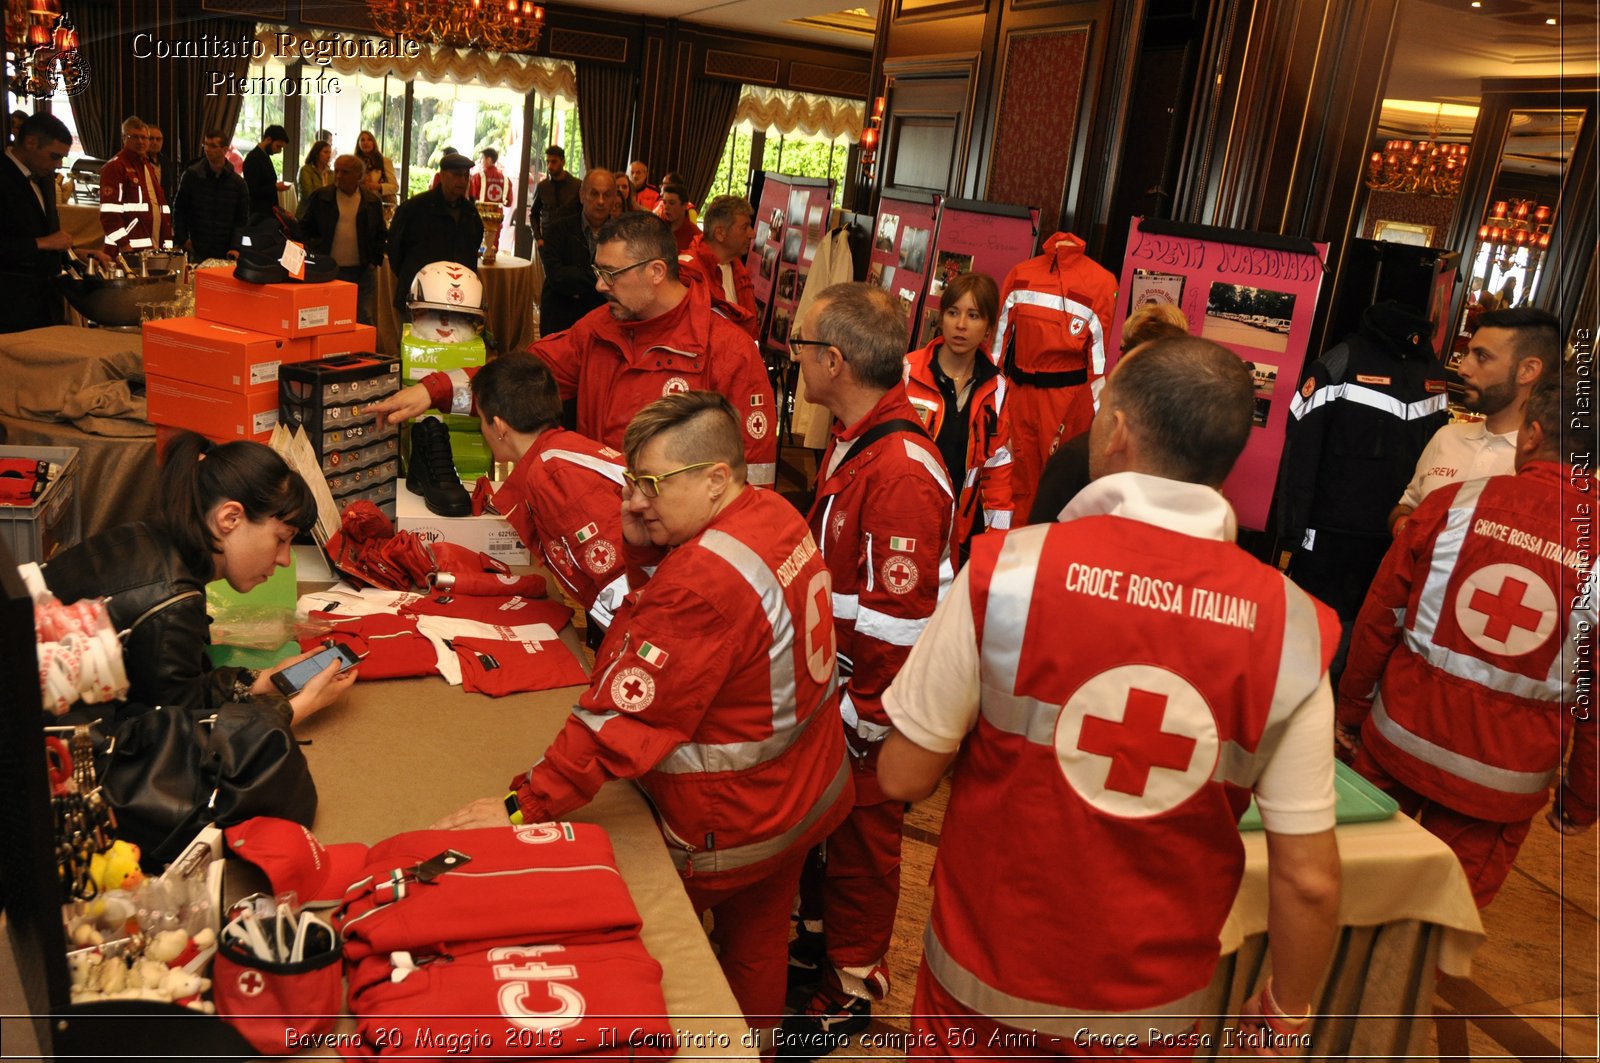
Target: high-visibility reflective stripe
x,y
1446,549
1060,304
761,474
120,208
703,758
1005,618
999,519
592,720
851,716
1001,456
1019,714
705,861
895,630
1299,406
143,241
932,464
609,469
117,235
985,999
846,606
1489,776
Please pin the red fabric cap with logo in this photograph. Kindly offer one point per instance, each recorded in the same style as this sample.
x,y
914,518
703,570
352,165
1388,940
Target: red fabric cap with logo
x,y
293,859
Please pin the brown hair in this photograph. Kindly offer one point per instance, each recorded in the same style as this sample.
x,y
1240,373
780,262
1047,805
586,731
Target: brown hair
x,y
702,425
981,286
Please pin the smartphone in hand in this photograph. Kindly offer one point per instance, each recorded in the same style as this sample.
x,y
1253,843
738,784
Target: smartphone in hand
x,y
293,679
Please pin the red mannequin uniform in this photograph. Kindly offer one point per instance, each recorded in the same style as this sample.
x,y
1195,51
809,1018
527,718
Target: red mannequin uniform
x,y
616,368
1206,667
710,267
1462,664
128,187
716,689
565,495
882,517
987,468
1050,341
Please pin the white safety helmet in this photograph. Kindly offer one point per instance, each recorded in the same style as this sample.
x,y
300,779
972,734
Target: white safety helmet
x,y
447,286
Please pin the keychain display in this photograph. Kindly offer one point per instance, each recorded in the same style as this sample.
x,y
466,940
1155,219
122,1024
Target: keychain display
x,y
87,858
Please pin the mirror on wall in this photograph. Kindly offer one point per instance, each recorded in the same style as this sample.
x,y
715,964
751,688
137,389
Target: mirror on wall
x,y
1506,266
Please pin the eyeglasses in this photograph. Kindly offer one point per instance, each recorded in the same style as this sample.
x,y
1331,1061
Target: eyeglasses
x,y
651,485
608,277
795,344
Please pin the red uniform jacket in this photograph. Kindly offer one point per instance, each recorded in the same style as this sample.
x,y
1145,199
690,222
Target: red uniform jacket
x,y
616,368
1463,661
1051,342
882,518
987,468
716,689
702,261
1091,748
565,496
128,185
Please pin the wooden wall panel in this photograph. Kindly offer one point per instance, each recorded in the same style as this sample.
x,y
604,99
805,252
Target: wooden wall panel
x,y
1041,83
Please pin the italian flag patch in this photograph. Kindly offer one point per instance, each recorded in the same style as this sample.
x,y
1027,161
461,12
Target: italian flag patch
x,y
652,654
906,545
587,532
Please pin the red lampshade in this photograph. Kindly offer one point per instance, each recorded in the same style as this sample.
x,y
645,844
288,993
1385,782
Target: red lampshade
x,y
1541,215
1483,233
877,107
38,36
1544,241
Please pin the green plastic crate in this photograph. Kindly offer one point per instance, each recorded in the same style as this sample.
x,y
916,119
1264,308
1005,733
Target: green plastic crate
x,y
1357,801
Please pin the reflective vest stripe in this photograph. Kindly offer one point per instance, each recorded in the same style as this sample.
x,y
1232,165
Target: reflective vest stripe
x,y
143,241
1489,776
934,466
609,469
1009,600
1060,304
999,519
866,729
846,606
1172,1018
761,474
895,630
1299,406
712,860
1299,668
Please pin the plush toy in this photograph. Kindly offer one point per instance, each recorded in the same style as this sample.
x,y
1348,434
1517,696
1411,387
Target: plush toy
x,y
117,868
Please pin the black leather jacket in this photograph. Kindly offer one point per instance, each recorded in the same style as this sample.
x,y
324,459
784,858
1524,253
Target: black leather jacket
x,y
157,604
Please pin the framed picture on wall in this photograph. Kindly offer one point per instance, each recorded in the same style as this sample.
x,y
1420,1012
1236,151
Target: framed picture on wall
x,y
1403,232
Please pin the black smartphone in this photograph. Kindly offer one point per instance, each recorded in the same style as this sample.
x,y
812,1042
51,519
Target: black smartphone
x,y
293,679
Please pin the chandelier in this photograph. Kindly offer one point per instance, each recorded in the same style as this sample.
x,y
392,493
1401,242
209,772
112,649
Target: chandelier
x,y
1420,167
1512,226
490,25
44,46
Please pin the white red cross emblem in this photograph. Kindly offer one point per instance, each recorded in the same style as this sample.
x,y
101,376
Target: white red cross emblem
x,y
756,424
1136,740
899,574
632,689
1076,325
675,386
600,555
251,983
836,525
820,646
1506,609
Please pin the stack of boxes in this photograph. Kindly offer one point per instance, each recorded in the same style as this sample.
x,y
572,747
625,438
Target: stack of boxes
x,y
217,373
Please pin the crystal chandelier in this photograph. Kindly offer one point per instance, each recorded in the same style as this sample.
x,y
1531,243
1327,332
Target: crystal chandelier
x,y
1421,167
491,25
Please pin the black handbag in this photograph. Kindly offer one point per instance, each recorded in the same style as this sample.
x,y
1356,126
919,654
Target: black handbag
x,y
169,773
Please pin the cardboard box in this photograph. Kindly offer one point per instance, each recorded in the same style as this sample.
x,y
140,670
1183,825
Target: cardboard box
x,y
491,534
363,339
217,355
215,413
292,310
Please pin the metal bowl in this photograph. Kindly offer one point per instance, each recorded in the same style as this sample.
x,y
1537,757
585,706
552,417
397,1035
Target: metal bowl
x,y
109,301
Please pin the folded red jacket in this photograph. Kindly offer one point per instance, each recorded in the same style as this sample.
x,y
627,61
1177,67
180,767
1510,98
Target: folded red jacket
x,y
497,668
392,646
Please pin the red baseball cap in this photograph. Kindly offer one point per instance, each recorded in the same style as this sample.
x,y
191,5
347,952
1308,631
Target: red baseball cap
x,y
293,859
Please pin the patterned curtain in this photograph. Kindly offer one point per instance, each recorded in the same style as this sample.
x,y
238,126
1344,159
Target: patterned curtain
x,y
707,119
799,112
606,95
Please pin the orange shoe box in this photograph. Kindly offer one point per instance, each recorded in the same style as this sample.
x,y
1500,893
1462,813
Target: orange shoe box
x,y
219,356
216,413
291,310
363,339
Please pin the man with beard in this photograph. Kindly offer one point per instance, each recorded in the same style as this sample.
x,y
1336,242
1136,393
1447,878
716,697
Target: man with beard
x,y
1507,355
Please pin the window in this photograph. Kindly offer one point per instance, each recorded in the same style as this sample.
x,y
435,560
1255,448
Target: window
x,y
733,171
802,156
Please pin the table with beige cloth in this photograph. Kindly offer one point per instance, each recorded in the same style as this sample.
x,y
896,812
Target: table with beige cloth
x,y
396,755
511,290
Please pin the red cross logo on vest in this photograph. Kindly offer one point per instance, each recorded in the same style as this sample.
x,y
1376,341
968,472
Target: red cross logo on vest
x,y
632,689
675,386
900,574
251,983
1506,609
820,646
1136,740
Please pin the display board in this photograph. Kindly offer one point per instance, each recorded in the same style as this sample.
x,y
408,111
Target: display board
x,y
902,245
973,236
1254,293
791,220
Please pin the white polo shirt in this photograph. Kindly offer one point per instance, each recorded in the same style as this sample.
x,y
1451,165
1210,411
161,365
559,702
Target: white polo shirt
x,y
1462,451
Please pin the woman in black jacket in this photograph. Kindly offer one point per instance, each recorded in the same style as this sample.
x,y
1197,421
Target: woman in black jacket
x,y
228,511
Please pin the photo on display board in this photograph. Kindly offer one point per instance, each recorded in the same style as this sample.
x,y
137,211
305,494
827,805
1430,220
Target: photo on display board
x,y
763,233
950,266
930,326
888,225
786,284
761,311
775,224
908,299
1150,286
769,255
814,223
914,249
1266,378
1238,315
780,324
799,199
885,279
875,274
791,244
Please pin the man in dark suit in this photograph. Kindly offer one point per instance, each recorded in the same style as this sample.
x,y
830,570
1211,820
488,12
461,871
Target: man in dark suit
x,y
32,241
260,176
345,222
568,256
440,225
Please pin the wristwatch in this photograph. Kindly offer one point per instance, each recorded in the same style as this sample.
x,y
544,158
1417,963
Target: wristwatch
x,y
514,808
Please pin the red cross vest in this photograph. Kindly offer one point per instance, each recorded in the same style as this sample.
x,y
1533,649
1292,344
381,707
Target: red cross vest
x,y
1091,851
1462,661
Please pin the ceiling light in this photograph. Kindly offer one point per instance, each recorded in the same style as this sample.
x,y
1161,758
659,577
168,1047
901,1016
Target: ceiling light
x,y
1476,3
1549,22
